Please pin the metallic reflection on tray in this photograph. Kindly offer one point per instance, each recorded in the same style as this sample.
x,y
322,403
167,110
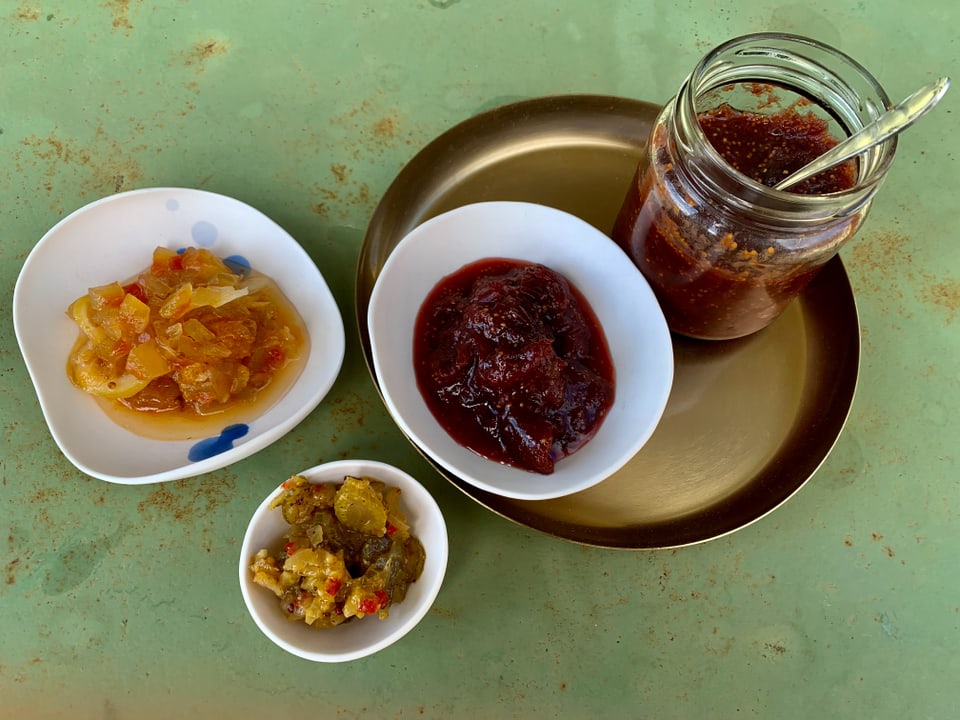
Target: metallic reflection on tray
x,y
748,422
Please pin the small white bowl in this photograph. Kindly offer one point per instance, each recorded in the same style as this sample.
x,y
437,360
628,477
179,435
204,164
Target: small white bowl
x,y
623,302
363,637
114,238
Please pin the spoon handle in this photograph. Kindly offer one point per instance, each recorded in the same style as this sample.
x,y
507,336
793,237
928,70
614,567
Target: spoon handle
x,y
895,120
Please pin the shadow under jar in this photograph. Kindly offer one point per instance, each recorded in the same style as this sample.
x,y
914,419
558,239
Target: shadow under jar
x,y
723,251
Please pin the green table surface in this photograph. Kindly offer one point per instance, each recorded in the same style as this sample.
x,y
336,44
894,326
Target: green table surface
x,y
122,601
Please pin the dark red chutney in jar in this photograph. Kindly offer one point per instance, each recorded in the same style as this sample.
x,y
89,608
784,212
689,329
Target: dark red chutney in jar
x,y
713,276
513,363
767,148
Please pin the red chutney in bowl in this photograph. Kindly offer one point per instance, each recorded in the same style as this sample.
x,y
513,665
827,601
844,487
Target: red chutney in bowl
x,y
513,363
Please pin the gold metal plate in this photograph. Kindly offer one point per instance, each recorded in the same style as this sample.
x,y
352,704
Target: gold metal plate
x,y
748,421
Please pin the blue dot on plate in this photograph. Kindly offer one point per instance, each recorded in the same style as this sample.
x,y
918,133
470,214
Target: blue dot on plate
x,y
238,264
173,204
211,446
204,233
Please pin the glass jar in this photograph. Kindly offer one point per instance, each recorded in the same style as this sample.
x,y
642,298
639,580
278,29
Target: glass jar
x,y
723,251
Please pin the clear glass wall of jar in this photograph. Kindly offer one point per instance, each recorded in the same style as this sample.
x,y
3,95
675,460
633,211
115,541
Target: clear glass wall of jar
x,y
725,253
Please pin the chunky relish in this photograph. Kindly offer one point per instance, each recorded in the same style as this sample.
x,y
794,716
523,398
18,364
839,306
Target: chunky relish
x,y
189,335
348,553
513,363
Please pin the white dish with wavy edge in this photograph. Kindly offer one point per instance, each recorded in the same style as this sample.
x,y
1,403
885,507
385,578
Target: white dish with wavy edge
x,y
366,636
112,239
636,333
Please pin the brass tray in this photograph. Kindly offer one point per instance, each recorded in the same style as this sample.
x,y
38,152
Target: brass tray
x,y
748,421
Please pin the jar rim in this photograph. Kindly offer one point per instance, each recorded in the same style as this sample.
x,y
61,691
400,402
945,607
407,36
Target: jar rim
x,y
839,84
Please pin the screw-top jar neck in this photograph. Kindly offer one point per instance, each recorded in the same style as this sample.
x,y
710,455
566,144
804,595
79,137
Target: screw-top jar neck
x,y
795,70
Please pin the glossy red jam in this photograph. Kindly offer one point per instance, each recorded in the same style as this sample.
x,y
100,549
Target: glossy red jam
x,y
513,363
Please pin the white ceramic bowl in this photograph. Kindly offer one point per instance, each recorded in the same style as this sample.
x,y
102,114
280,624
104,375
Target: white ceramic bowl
x,y
114,238
635,328
361,637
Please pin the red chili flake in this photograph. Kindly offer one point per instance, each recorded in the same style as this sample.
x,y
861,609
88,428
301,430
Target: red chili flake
x,y
290,548
333,586
136,289
391,529
276,357
368,606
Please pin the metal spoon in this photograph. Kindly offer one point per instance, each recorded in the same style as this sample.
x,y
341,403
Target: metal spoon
x,y
894,121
